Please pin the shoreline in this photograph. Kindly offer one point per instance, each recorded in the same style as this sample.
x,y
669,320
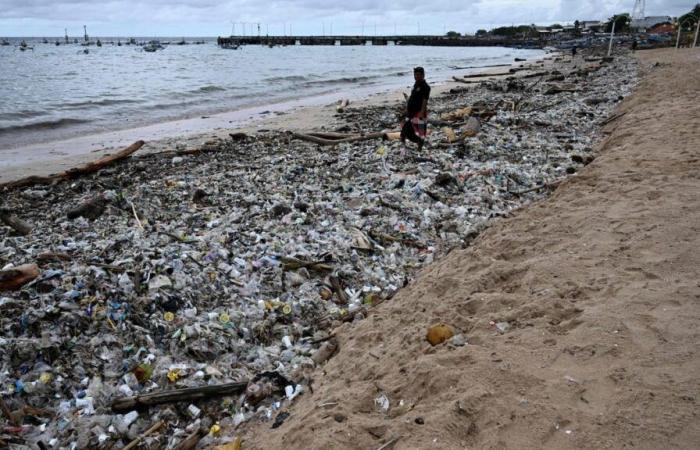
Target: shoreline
x,y
315,112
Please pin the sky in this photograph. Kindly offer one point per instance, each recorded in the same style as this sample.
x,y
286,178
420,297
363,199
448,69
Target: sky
x,y
301,17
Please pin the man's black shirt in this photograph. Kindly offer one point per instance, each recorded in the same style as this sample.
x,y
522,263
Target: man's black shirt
x,y
420,92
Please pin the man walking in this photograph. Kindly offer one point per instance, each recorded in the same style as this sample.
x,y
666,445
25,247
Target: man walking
x,y
414,124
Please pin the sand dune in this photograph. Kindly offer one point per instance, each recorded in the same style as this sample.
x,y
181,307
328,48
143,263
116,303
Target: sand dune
x,y
599,285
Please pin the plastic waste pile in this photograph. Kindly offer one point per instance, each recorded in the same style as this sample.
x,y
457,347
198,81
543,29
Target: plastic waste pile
x,y
235,263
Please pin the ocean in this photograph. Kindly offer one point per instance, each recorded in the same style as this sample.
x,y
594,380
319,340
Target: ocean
x,y
54,92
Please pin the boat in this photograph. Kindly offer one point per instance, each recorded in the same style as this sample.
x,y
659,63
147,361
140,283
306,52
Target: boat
x,y
45,41
99,43
230,45
4,42
24,47
152,46
57,43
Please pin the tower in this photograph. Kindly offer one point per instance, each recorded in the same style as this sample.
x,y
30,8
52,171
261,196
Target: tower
x,y
638,10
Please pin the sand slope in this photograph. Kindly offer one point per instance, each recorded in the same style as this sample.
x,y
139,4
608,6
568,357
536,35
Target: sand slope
x,y
601,285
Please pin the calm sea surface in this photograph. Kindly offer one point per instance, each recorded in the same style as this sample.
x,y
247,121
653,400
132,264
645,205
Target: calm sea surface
x,y
58,92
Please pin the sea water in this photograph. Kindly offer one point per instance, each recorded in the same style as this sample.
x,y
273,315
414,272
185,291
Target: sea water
x,y
60,92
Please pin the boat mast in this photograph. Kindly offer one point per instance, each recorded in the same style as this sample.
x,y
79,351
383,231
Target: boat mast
x,y
86,36
66,34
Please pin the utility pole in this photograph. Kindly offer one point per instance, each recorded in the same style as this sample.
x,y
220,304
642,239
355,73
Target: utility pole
x,y
85,30
66,35
612,33
697,29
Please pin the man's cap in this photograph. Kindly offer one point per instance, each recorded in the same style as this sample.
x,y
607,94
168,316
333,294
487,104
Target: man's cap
x,y
419,69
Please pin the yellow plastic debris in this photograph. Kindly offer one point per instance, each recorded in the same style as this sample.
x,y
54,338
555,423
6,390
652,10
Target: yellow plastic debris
x,y
46,378
215,429
286,309
173,375
168,316
224,318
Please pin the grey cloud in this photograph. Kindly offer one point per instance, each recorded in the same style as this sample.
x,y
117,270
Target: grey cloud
x,y
308,14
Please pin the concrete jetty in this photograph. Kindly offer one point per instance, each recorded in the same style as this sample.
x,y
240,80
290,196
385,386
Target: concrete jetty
x,y
425,40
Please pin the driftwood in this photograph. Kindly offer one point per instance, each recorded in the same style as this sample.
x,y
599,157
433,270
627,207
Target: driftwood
x,y
90,209
190,441
6,411
16,277
480,75
126,404
337,285
335,141
537,188
459,80
291,263
53,256
387,239
15,223
612,118
145,434
559,89
78,171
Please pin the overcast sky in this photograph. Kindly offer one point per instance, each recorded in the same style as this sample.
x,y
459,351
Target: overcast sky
x,y
214,18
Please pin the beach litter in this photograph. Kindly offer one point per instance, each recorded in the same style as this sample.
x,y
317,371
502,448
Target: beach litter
x,y
205,289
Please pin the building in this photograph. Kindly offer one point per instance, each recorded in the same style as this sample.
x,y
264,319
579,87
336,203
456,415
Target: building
x,y
592,25
662,28
649,22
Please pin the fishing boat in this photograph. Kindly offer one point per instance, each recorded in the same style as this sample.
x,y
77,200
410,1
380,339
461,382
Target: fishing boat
x,y
24,47
4,42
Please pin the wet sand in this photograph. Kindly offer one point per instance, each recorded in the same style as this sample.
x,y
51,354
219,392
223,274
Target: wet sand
x,y
598,285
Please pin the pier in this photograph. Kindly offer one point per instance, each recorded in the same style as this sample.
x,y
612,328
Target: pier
x,y
424,40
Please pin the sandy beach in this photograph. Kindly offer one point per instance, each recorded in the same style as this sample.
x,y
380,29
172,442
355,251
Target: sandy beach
x,y
597,287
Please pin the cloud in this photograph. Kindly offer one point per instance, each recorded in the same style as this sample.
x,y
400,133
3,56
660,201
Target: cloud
x,y
210,17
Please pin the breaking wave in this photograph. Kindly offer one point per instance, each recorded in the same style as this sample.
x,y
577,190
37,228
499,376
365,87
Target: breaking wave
x,y
45,125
